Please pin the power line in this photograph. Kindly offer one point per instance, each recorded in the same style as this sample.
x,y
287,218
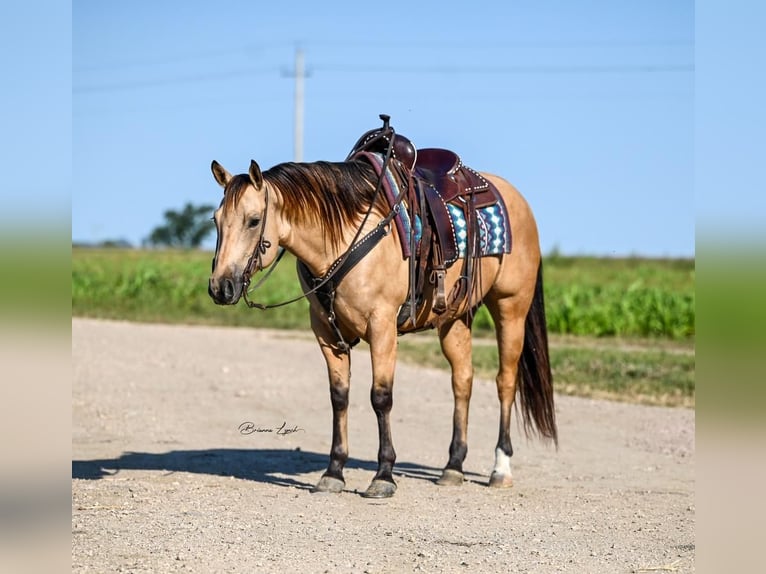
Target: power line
x,y
170,59
536,69
186,79
453,44
544,69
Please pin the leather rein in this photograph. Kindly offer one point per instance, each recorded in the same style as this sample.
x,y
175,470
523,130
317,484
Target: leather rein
x,y
343,264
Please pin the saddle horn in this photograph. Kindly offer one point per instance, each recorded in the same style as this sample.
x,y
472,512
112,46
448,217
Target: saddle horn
x,y
378,139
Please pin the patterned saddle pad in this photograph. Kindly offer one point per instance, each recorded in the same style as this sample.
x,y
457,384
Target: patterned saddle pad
x,y
494,230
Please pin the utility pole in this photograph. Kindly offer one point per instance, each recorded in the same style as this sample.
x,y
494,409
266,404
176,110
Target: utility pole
x,y
300,75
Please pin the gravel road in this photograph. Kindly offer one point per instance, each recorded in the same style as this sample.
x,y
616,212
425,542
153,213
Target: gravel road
x,y
164,481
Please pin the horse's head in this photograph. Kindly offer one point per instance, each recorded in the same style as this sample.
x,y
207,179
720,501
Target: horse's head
x,y
247,232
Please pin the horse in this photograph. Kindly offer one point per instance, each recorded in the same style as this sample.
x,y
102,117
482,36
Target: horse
x,y
316,211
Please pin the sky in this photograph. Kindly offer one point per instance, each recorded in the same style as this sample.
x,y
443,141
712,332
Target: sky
x,y
587,107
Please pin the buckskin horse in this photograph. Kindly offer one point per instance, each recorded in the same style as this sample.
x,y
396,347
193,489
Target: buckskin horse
x,y
390,241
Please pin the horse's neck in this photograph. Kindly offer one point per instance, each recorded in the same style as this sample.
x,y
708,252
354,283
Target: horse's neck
x,y
310,245
305,240
309,242
307,245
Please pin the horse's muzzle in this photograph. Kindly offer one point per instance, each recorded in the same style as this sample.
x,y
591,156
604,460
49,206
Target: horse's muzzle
x,y
224,291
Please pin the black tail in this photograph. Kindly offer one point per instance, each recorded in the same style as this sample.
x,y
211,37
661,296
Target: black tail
x,y
535,381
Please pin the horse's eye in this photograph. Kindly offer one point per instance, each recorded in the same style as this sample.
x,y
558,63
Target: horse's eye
x,y
253,222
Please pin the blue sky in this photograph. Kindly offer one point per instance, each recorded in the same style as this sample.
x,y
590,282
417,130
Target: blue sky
x,y
587,107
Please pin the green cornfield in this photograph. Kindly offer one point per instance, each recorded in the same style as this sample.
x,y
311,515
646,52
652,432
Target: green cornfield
x,y
602,297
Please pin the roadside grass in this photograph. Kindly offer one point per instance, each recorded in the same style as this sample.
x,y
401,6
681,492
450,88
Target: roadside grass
x,y
628,371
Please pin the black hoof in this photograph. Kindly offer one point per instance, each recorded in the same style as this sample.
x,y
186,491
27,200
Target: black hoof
x,y
380,489
450,477
329,484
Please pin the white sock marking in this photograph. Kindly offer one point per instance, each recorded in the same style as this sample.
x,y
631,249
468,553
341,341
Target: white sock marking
x,y
502,463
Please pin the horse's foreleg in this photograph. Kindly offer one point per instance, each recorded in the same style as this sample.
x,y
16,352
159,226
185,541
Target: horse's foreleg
x,y
339,373
455,340
383,352
508,315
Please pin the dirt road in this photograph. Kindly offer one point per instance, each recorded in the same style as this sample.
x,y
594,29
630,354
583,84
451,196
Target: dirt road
x,y
164,481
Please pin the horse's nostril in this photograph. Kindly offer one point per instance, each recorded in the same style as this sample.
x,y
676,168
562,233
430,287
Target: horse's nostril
x,y
228,289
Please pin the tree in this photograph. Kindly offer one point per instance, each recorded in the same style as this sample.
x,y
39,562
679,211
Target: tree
x,y
185,228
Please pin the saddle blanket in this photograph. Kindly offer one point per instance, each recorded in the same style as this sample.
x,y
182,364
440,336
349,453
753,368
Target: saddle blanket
x,y
494,233
493,224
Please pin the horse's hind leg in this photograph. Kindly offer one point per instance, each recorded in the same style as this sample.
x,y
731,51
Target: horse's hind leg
x,y
339,373
455,340
509,315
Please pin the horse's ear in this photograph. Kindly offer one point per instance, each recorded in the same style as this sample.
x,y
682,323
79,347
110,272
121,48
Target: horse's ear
x,y
220,174
256,177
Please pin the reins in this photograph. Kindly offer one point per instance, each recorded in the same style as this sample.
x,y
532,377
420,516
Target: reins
x,y
254,264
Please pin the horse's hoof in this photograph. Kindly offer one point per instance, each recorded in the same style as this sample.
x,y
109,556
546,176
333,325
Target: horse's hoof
x,y
329,484
498,480
450,477
380,489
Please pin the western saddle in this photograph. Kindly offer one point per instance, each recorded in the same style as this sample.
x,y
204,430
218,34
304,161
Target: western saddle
x,y
432,179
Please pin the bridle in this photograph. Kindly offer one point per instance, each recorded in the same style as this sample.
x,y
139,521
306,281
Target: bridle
x,y
255,263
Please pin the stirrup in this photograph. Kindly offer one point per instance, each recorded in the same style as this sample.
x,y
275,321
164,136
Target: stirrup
x,y
404,312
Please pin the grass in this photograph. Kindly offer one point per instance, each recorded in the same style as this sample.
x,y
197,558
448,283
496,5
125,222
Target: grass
x,y
630,297
171,286
631,371
620,328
